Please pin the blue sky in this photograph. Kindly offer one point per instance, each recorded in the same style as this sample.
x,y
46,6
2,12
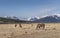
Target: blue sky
x,y
29,8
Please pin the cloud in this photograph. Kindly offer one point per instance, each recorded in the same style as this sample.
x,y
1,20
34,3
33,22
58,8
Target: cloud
x,y
42,12
47,10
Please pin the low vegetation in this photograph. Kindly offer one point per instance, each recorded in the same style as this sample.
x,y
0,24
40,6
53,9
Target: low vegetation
x,y
52,30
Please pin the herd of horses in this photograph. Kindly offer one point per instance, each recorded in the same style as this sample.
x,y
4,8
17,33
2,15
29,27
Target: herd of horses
x,y
39,26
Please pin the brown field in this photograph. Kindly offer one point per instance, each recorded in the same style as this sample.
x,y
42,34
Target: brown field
x,y
52,30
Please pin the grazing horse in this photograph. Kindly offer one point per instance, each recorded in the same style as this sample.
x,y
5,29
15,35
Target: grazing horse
x,y
40,25
15,25
19,25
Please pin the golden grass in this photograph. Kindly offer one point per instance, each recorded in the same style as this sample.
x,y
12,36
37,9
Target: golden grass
x,y
52,30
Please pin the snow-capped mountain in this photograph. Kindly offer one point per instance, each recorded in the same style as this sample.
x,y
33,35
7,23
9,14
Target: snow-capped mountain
x,y
48,19
52,18
11,17
33,18
16,18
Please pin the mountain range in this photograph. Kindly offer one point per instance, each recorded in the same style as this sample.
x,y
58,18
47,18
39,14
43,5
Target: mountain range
x,y
45,19
49,19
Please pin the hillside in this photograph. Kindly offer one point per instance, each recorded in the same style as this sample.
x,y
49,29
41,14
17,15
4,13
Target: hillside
x,y
49,19
8,20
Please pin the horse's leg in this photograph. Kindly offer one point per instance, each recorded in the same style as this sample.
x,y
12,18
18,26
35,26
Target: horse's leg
x,y
39,27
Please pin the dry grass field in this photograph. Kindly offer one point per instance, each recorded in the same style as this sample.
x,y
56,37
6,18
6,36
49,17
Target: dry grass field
x,y
52,30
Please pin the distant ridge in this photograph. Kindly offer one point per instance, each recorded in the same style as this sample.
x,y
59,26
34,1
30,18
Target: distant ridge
x,y
45,19
49,19
9,20
33,18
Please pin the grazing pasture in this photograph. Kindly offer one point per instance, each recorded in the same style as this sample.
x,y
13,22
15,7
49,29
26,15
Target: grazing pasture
x,y
51,30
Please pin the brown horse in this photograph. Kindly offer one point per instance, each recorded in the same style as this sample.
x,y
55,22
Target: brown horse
x,y
40,25
19,25
15,25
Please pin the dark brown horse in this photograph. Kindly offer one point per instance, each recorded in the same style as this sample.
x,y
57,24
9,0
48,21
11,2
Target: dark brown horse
x,y
40,25
19,25
15,25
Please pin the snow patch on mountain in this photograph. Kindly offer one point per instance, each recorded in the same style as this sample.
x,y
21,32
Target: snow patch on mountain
x,y
33,18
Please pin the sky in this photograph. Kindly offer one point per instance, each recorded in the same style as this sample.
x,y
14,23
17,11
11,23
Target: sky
x,y
29,8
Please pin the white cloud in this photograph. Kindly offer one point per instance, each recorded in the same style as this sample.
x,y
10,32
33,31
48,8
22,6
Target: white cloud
x,y
47,10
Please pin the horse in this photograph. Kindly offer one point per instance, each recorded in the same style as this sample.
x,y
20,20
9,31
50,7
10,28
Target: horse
x,y
15,25
40,25
19,25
